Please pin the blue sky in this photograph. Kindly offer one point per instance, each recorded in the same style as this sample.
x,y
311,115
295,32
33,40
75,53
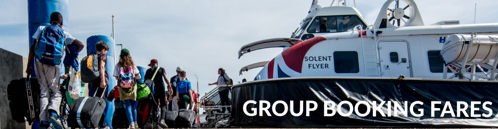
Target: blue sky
x,y
204,35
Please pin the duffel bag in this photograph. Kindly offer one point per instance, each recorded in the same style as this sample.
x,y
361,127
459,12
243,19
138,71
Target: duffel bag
x,y
143,91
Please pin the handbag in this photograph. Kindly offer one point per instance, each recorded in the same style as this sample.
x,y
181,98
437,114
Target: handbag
x,y
143,89
74,87
128,93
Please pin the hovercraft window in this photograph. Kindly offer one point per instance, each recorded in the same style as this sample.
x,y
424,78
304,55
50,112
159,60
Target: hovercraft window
x,y
299,31
436,62
394,57
346,62
328,24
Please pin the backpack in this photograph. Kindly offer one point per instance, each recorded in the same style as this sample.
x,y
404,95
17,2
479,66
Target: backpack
x,y
50,46
226,80
90,68
126,77
150,82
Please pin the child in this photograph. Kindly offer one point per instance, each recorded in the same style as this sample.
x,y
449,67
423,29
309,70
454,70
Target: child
x,y
184,92
128,95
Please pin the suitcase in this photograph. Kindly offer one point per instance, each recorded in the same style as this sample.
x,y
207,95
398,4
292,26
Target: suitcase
x,y
185,118
24,97
88,112
143,112
145,115
170,117
120,120
17,103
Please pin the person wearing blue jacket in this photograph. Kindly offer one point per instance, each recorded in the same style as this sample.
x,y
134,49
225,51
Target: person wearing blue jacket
x,y
184,92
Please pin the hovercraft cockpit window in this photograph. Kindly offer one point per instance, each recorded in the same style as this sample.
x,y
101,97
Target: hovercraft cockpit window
x,y
299,31
331,24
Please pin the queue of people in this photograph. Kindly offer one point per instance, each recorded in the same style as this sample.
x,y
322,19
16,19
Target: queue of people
x,y
175,95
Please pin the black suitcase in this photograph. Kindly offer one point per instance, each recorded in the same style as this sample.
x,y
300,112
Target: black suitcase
x,y
145,114
88,112
120,120
24,97
170,118
185,118
18,102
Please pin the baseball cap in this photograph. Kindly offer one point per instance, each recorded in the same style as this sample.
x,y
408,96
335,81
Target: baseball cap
x,y
152,62
179,68
124,52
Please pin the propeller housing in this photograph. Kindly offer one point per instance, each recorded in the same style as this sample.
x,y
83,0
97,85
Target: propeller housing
x,y
398,13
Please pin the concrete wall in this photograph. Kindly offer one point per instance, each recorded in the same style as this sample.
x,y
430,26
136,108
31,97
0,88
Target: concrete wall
x,y
11,67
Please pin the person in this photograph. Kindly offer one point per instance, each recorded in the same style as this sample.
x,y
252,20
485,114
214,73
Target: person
x,y
101,82
174,80
223,89
48,75
126,62
184,92
194,96
159,88
244,80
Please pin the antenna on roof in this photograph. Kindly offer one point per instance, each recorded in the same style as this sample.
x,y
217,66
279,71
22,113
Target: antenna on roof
x,y
475,10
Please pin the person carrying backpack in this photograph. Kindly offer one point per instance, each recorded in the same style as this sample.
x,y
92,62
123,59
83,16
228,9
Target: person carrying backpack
x,y
174,80
159,74
184,92
48,48
126,72
223,79
103,78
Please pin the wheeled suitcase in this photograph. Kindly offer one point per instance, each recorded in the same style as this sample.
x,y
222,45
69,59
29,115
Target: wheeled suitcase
x,y
88,112
170,117
143,110
24,97
120,120
145,113
18,102
185,118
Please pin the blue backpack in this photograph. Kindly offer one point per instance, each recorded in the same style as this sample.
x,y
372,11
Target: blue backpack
x,y
50,47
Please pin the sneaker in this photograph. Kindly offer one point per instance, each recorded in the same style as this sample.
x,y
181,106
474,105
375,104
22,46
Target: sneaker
x,y
163,124
159,127
136,125
56,123
132,126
